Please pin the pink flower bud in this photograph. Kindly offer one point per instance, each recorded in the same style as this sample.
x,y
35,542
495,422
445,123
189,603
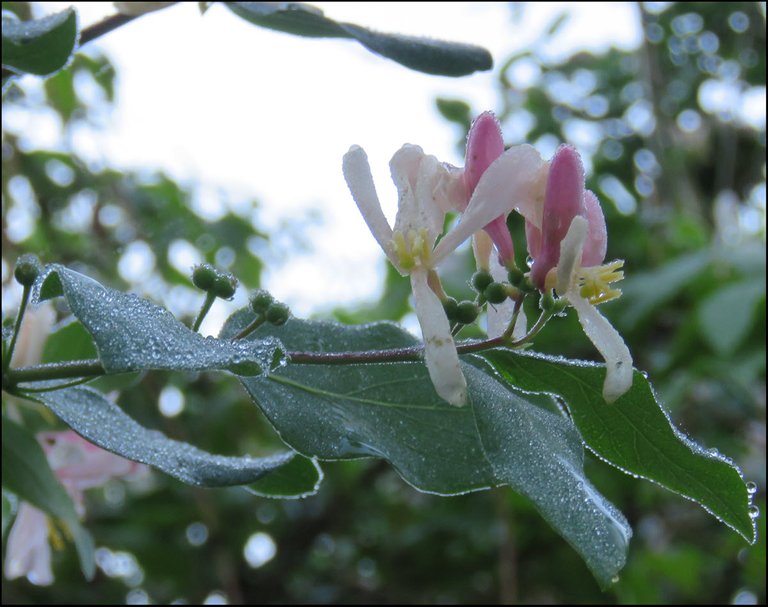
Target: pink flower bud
x,y
564,199
484,145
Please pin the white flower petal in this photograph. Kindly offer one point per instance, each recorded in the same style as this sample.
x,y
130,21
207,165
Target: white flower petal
x,y
513,181
571,248
431,173
618,360
451,190
28,552
417,176
357,173
439,348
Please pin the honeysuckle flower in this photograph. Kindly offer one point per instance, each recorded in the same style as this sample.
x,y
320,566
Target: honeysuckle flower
x,y
79,465
409,247
28,552
492,184
427,189
34,331
567,253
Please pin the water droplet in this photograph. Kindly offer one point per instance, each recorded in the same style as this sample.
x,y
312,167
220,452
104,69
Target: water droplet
x,y
754,511
751,488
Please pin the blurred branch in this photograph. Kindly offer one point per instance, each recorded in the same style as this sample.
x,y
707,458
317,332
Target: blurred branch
x,y
674,178
104,27
507,551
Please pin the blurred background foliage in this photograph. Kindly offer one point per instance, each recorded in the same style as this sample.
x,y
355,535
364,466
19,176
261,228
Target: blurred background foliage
x,y
675,150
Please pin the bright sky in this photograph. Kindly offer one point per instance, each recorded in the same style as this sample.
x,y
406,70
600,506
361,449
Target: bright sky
x,y
217,101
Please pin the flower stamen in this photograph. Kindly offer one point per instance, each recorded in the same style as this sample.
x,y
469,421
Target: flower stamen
x,y
412,249
594,281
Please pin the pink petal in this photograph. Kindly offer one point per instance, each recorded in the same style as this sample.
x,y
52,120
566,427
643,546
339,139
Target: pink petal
x,y
511,182
501,237
80,464
597,239
563,200
484,145
533,239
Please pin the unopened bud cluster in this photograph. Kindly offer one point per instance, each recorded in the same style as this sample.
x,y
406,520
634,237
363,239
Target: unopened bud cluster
x,y
214,281
265,306
490,290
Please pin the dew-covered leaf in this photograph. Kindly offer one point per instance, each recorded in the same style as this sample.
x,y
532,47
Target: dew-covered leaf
x,y
27,474
103,423
300,477
392,411
133,334
421,54
41,46
634,434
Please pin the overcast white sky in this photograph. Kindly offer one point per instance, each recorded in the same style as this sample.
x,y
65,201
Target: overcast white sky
x,y
217,101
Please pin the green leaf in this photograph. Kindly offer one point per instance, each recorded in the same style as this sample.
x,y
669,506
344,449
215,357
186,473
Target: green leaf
x,y
421,54
455,110
300,477
27,474
69,342
726,316
634,434
289,17
392,411
41,46
133,334
105,424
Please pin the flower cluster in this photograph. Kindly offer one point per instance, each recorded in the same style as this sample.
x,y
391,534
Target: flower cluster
x,y
78,465
565,230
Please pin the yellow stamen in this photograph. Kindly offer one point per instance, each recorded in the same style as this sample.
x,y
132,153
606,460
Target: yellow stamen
x,y
53,533
594,281
412,249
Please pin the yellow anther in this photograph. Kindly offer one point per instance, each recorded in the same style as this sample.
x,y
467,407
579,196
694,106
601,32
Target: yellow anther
x,y
53,534
594,281
412,249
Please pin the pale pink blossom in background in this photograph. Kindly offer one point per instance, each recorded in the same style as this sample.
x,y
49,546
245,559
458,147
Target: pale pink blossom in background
x,y
35,327
79,465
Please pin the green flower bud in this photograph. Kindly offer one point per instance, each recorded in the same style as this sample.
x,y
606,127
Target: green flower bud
x,y
261,300
495,293
224,285
467,312
27,269
561,304
547,301
451,307
277,313
515,276
203,276
480,280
